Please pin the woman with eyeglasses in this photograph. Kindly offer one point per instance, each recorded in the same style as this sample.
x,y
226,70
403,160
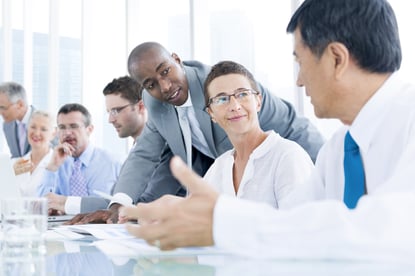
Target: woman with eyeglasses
x,y
29,169
262,166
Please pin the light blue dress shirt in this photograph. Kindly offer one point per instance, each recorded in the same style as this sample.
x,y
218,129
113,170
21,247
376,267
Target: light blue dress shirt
x,y
99,168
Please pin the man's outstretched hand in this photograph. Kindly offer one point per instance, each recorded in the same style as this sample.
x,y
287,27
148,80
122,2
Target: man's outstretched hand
x,y
171,221
100,216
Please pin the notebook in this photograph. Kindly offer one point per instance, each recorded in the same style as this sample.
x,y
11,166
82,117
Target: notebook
x,y
9,188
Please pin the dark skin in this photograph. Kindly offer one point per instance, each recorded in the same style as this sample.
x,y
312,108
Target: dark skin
x,y
163,76
100,216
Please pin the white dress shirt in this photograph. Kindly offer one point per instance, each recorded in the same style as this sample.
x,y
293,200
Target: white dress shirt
x,y
273,170
382,225
383,129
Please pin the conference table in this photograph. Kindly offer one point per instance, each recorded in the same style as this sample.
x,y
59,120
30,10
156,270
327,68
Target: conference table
x,y
83,258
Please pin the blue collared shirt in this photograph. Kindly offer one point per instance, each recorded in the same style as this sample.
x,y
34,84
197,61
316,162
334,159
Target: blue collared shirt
x,y
99,168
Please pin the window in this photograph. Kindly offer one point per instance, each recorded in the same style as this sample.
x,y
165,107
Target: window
x,y
68,50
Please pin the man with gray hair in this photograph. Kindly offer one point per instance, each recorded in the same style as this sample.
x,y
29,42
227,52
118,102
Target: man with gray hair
x,y
16,113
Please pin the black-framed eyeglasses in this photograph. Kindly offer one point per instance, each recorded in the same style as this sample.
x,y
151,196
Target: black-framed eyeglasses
x,y
116,110
240,94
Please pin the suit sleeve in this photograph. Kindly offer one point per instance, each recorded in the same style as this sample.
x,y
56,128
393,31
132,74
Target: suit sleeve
x,y
280,116
381,227
162,181
145,174
9,130
90,204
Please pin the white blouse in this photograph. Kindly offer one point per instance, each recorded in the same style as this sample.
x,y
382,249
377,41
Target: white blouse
x,y
28,182
274,169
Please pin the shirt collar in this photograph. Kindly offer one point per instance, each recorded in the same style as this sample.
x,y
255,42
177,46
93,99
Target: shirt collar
x,y
86,156
369,119
26,117
188,102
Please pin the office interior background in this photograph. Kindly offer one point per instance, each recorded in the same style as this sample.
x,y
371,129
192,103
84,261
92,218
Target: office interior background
x,y
67,50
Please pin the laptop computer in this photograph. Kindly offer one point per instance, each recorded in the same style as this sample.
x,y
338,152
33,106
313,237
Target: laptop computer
x,y
9,187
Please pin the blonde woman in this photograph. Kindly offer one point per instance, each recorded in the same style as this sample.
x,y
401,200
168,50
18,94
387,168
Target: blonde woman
x,y
29,169
262,166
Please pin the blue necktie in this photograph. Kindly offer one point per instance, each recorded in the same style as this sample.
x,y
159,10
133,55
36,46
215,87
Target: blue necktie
x,y
354,175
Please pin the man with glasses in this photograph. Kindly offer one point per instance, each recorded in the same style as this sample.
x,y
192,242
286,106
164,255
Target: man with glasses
x,y
126,111
351,76
77,168
16,113
128,115
179,125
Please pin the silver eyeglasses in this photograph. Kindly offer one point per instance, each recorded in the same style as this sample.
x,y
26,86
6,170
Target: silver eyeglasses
x,y
70,127
240,94
116,110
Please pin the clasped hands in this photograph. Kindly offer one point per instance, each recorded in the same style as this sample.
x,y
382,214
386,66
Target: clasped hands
x,y
22,166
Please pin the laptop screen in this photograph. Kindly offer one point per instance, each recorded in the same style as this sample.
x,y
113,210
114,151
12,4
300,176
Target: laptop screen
x,y
8,183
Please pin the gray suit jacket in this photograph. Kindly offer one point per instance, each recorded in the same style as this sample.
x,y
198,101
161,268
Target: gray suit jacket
x,y
11,133
146,175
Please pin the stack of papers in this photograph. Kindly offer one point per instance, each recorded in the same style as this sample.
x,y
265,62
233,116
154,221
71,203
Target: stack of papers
x,y
99,231
114,241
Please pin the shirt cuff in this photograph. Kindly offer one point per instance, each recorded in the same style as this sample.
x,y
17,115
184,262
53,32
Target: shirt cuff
x,y
122,199
221,213
73,205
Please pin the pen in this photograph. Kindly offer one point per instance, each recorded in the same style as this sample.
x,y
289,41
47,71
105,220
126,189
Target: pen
x,y
112,198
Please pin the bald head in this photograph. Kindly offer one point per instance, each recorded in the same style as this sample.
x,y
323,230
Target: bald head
x,y
160,73
139,53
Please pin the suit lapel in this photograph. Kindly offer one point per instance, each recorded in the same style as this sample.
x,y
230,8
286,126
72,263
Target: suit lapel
x,y
16,138
170,124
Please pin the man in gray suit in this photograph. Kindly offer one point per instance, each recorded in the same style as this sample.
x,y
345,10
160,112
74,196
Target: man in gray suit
x,y
16,113
169,84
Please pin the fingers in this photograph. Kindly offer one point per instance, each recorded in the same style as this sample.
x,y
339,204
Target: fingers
x,y
186,176
51,212
65,149
122,219
100,216
158,234
22,166
56,202
131,212
150,233
22,161
75,219
156,210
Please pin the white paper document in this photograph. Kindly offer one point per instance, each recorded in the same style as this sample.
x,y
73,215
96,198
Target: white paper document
x,y
58,234
101,231
115,241
139,248
83,231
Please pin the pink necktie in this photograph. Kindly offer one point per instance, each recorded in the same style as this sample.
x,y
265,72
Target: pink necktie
x,y
77,181
22,137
